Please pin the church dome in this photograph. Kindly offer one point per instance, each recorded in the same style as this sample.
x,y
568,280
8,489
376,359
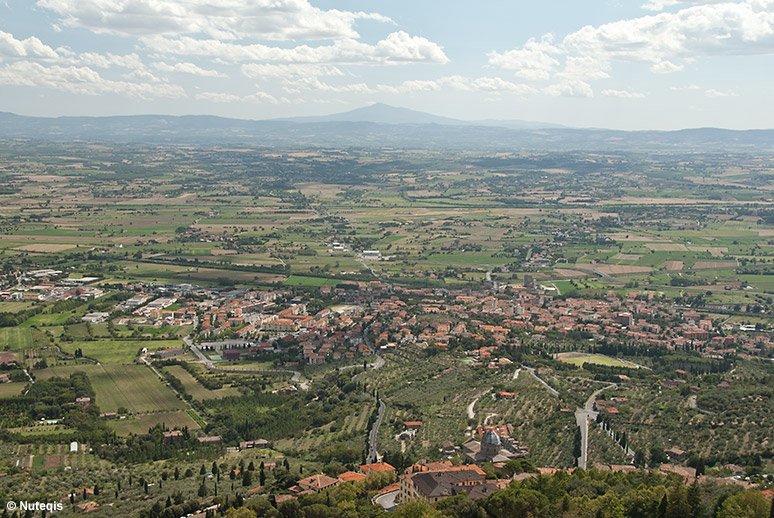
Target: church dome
x,y
491,438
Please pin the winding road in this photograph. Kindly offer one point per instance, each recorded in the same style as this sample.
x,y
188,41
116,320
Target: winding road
x,y
548,387
582,416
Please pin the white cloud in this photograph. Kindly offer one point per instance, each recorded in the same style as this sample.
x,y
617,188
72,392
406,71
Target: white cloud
x,y
666,42
186,68
398,47
130,61
222,19
688,87
533,61
288,72
28,48
255,98
660,40
497,84
623,94
569,88
584,68
80,80
717,93
660,5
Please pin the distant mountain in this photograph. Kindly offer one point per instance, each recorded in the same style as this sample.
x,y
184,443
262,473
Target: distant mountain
x,y
380,113
375,126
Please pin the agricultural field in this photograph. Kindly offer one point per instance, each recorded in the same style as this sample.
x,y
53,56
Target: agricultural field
x,y
579,359
134,388
195,389
168,247
140,424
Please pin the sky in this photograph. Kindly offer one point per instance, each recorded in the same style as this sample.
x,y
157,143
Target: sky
x,y
622,64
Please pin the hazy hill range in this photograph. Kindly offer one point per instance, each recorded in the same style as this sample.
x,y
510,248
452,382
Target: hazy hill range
x,y
374,126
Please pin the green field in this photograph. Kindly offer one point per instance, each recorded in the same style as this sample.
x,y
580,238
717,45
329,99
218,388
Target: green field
x,y
117,351
15,338
12,306
196,389
598,359
11,389
141,423
134,387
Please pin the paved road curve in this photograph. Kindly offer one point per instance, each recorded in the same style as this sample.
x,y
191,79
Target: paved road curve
x,y
582,416
373,455
551,389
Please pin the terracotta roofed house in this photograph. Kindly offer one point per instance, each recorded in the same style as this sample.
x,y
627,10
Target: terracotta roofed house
x,y
314,483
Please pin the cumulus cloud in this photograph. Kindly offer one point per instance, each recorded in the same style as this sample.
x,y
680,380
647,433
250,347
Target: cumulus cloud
x,y
623,94
666,42
717,93
664,39
255,98
532,61
31,47
569,88
80,80
186,68
398,47
222,19
288,72
660,5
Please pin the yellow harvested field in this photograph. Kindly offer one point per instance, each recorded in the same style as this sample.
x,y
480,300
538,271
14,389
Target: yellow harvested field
x,y
613,269
626,236
44,247
667,247
673,265
567,272
714,251
627,257
714,264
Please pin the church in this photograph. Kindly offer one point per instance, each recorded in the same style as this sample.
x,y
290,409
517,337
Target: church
x,y
492,448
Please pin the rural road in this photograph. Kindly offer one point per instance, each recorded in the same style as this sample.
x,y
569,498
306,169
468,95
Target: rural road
x,y
471,412
551,389
582,416
373,455
695,406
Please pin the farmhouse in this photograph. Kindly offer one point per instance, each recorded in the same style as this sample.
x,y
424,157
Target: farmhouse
x,y
314,484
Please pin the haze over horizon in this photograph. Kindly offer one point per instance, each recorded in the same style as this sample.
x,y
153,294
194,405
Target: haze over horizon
x,y
659,64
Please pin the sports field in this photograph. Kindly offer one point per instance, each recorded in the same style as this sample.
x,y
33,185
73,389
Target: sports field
x,y
598,359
